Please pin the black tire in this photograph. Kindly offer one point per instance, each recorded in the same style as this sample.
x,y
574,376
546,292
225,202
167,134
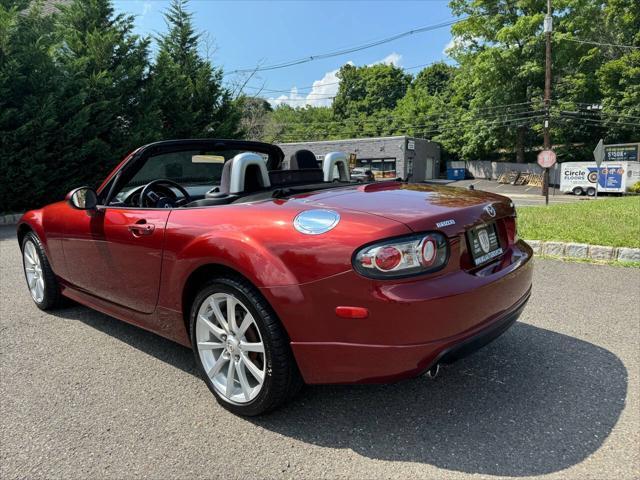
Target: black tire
x,y
591,192
282,380
52,297
578,191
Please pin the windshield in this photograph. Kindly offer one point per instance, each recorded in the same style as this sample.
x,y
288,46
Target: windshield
x,y
192,167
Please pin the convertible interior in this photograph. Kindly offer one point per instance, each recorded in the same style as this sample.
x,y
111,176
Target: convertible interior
x,y
203,178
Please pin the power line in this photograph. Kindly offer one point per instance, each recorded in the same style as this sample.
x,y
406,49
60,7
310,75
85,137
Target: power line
x,y
336,83
489,110
305,99
502,119
362,123
493,122
601,121
601,44
420,127
599,112
348,50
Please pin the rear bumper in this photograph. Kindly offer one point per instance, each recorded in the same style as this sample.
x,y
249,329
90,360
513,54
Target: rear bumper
x,y
355,363
412,324
484,336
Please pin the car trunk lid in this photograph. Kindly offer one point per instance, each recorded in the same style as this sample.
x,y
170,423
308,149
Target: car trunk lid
x,y
421,207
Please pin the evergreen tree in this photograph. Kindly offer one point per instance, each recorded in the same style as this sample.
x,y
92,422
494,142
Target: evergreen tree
x,y
29,100
103,114
187,88
72,98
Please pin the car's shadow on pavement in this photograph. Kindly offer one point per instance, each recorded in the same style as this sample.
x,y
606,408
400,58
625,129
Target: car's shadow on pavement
x,y
532,402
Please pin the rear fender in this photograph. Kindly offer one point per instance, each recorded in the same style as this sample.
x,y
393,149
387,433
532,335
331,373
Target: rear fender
x,y
233,250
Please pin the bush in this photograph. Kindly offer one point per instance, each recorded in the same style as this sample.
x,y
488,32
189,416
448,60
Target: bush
x,y
635,188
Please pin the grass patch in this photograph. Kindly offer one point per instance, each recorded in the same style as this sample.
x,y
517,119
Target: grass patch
x,y
613,221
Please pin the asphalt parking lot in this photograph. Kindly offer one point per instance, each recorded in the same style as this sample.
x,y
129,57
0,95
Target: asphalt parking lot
x,y
86,396
522,195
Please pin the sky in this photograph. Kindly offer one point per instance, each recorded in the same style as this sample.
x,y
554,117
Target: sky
x,y
244,34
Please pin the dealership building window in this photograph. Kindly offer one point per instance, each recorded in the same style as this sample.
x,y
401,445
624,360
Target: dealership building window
x,y
387,157
380,167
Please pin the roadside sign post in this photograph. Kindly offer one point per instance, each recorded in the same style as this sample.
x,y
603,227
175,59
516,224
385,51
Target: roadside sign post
x,y
598,155
546,159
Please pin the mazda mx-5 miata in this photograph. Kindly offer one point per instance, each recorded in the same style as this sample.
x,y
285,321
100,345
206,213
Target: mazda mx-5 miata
x,y
279,273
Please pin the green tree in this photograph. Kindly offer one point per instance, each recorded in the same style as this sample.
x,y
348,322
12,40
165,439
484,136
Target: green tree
x,y
500,50
434,79
501,61
619,76
72,93
289,124
29,101
254,112
423,110
620,85
187,89
369,89
102,112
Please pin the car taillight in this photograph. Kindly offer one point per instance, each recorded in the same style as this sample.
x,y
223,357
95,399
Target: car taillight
x,y
387,258
400,257
511,225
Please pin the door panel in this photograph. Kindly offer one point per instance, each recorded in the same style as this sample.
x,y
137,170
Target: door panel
x,y
116,254
428,174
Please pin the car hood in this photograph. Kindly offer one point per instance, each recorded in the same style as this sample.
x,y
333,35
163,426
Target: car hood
x,y
421,207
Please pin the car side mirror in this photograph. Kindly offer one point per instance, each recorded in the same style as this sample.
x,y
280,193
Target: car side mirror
x,y
83,198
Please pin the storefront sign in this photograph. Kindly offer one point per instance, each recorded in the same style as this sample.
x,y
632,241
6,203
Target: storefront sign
x,y
621,153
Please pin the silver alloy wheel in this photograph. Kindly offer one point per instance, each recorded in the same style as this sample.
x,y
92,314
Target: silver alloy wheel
x,y
33,271
230,347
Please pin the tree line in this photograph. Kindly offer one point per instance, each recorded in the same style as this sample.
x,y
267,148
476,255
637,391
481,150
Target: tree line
x,y
490,104
79,89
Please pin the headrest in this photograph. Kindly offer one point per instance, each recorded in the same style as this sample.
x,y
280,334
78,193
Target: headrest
x,y
225,178
302,159
244,173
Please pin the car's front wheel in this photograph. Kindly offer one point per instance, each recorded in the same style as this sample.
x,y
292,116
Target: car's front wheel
x,y
241,349
41,281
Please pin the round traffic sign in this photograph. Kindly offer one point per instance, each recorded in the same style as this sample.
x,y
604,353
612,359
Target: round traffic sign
x,y
547,158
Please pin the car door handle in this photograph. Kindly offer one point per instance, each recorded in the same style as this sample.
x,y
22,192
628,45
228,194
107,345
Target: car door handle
x,y
142,228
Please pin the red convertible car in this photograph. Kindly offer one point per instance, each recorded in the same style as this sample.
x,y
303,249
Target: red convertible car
x,y
280,276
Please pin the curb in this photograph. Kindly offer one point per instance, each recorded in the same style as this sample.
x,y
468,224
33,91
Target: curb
x,y
10,219
584,251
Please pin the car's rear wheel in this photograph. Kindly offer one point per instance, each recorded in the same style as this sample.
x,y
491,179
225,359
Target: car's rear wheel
x,y
241,349
41,281
591,192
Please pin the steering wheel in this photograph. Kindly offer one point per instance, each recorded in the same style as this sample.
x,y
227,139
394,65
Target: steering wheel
x,y
164,200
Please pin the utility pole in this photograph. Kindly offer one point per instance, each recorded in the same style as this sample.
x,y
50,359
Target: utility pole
x,y
548,28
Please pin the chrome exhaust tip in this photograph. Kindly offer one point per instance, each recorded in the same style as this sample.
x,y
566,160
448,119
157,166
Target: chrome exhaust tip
x,y
433,372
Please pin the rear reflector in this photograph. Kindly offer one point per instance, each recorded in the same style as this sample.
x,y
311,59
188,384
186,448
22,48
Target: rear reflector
x,y
352,312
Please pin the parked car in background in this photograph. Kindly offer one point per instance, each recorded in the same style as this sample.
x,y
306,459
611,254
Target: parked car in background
x,y
276,277
360,174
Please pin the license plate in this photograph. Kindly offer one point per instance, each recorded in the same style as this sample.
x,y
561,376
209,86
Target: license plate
x,y
483,243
